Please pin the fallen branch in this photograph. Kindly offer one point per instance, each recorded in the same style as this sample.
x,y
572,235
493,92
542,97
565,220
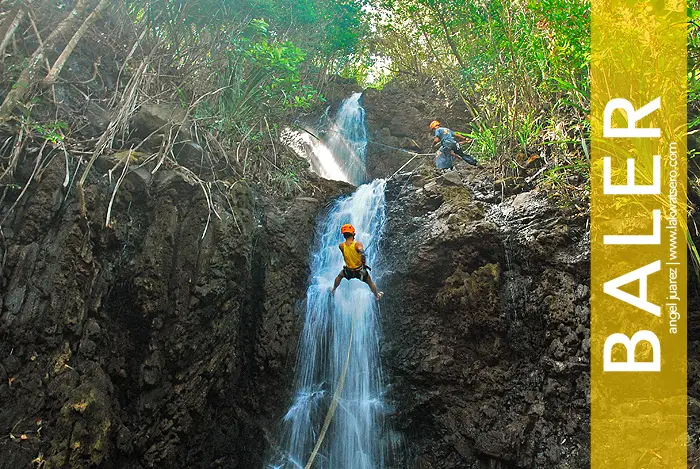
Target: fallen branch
x,y
17,149
536,175
68,50
131,53
207,196
274,150
108,223
66,181
190,109
127,107
37,34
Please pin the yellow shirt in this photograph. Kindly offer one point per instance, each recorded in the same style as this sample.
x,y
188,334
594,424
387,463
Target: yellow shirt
x,y
353,260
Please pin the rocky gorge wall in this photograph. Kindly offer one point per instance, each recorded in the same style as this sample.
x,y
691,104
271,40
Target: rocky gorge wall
x,y
154,342
486,320
488,352
399,116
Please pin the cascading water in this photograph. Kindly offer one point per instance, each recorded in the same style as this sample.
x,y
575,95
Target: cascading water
x,y
347,139
341,153
339,348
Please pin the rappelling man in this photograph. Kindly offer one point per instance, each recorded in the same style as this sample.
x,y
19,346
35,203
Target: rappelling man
x,y
448,144
355,261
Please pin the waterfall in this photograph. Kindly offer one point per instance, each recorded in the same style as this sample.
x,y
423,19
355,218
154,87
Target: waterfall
x,y
340,331
347,139
339,152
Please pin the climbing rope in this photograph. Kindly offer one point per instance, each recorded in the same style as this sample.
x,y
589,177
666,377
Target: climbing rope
x,y
393,148
334,402
413,153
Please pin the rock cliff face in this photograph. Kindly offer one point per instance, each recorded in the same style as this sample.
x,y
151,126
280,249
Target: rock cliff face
x,y
488,351
486,318
166,340
488,311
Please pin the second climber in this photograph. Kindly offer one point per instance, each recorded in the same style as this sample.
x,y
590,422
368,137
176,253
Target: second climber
x,y
448,144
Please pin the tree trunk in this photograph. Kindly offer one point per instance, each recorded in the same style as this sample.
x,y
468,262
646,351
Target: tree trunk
x,y
21,86
11,32
68,50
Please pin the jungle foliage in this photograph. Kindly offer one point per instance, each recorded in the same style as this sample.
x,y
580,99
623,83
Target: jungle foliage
x,y
260,57
240,67
521,68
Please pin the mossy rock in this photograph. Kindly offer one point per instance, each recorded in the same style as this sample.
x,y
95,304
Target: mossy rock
x,y
477,290
82,430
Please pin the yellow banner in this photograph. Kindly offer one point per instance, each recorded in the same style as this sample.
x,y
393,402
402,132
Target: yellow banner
x,y
638,234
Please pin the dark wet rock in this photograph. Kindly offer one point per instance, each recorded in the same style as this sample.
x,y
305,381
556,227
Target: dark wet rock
x,y
451,178
189,154
337,90
165,340
487,305
156,118
87,347
97,119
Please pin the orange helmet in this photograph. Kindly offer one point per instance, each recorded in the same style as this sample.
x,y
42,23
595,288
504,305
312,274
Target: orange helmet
x,y
348,228
434,125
